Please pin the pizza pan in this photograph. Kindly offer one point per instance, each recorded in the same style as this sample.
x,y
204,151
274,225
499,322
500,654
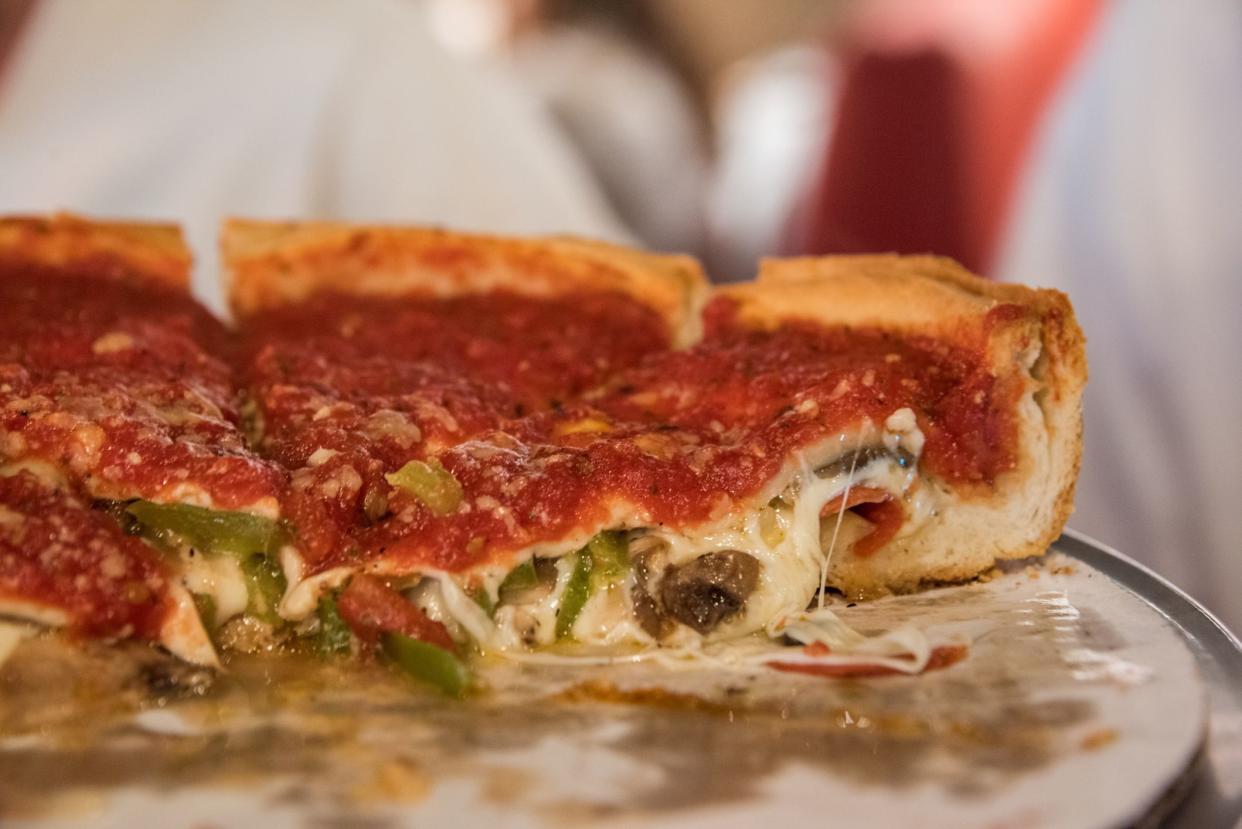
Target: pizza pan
x,y
1215,793
1095,694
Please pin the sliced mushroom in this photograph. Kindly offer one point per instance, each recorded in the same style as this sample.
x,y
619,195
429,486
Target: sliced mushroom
x,y
710,589
650,564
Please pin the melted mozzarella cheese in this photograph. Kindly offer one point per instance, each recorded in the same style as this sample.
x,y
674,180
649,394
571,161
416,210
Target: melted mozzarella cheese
x,y
903,649
33,611
795,557
183,633
791,543
788,541
219,577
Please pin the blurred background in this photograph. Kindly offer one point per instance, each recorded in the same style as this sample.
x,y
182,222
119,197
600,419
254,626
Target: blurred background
x,y
1088,145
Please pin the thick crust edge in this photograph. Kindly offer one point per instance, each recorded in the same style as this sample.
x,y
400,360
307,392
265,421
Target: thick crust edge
x,y
270,264
1031,332
149,250
928,294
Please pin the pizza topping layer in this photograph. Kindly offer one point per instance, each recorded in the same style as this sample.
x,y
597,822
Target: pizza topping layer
x,y
688,437
730,470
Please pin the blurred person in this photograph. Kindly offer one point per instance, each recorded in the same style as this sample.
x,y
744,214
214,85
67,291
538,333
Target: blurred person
x,y
1133,206
612,85
191,111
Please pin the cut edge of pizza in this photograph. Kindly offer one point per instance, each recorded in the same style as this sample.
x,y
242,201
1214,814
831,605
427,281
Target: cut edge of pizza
x,y
950,531
93,575
763,557
855,510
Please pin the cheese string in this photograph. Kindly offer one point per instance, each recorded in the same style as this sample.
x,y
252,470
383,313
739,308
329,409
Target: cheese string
x,y
863,434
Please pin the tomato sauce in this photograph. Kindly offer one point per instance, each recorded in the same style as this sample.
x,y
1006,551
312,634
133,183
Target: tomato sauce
x,y
351,388
684,436
537,352
122,385
372,608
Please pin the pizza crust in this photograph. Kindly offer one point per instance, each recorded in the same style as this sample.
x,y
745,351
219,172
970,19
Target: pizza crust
x,y
273,263
916,294
145,249
1036,337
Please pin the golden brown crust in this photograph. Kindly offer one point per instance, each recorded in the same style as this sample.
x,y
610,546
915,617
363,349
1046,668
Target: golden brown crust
x,y
273,263
924,295
931,294
144,249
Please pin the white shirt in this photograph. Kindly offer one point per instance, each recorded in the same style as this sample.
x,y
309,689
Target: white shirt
x,y
191,111
1133,206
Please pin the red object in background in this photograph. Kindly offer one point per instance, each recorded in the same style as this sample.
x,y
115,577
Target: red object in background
x,y
938,106
894,178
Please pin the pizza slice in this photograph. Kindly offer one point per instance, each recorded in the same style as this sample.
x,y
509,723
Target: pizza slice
x,y
370,351
119,418
865,423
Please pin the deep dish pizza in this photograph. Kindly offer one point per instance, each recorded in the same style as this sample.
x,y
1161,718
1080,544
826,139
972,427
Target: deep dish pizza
x,y
430,444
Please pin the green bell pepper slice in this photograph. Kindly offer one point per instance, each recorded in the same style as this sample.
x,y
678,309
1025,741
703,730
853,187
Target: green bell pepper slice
x,y
429,482
600,564
208,529
334,634
610,558
428,663
265,583
483,600
520,579
206,607
576,593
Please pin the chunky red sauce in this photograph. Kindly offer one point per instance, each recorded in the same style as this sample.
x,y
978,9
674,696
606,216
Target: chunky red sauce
x,y
683,435
372,608
535,352
59,554
352,388
120,385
